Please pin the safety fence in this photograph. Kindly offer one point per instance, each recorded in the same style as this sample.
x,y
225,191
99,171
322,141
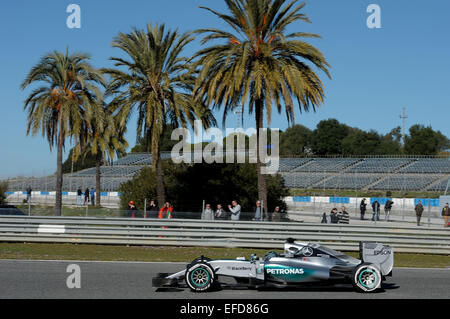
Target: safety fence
x,y
267,235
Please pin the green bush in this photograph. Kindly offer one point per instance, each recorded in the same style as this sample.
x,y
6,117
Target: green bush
x,y
3,189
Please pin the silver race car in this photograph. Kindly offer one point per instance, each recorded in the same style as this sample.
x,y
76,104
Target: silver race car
x,y
300,264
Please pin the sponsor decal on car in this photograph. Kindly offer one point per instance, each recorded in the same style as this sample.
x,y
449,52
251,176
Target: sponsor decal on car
x,y
287,273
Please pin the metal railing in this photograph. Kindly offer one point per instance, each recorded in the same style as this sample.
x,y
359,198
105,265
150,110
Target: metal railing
x,y
177,232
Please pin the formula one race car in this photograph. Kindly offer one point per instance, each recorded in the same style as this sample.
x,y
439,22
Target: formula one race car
x,y
300,264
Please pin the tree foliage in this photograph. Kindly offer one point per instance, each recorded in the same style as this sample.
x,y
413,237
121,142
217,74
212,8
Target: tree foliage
x,y
425,141
3,189
331,137
64,98
157,84
188,185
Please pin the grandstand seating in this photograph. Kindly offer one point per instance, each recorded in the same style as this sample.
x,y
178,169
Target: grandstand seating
x,y
288,164
349,181
418,174
407,182
427,165
326,165
379,165
440,186
302,180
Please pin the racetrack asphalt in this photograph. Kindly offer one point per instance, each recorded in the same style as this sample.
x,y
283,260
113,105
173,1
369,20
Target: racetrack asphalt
x,y
123,280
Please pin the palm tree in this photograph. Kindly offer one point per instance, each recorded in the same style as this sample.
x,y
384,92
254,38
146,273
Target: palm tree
x,y
259,62
65,97
157,83
102,138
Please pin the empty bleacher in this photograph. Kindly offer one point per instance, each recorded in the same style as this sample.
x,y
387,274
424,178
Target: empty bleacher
x,y
427,165
383,173
326,165
379,165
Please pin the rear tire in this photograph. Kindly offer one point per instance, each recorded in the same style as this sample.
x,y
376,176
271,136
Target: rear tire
x,y
366,278
200,277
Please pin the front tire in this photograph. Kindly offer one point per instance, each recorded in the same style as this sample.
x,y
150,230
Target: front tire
x,y
366,278
200,277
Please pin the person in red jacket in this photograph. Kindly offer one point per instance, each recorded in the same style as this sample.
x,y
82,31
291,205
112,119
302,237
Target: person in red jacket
x,y
166,211
131,209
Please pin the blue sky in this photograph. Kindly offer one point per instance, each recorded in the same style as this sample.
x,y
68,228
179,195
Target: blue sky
x,y
375,72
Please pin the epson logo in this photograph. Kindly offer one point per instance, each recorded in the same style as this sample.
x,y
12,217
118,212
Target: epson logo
x,y
381,252
287,271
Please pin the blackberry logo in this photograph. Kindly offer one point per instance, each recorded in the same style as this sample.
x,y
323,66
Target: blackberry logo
x,y
241,268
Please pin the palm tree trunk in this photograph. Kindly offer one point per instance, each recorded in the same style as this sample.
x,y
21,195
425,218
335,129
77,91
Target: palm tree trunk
x,y
262,183
160,193
97,180
59,176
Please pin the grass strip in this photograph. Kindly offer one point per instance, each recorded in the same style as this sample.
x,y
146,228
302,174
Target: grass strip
x,y
34,251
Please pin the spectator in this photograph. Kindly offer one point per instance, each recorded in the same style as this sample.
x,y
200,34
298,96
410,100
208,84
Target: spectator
x,y
220,214
362,208
419,211
131,209
92,195
258,211
29,190
86,196
446,214
152,210
276,216
79,196
344,217
334,219
235,210
324,219
376,211
166,211
208,213
387,209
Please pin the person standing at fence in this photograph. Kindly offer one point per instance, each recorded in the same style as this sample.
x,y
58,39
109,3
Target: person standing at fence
x,y
419,210
86,196
235,210
29,190
276,215
208,213
220,213
446,214
152,210
376,211
344,217
362,208
166,211
132,209
387,209
258,211
79,196
334,219
92,195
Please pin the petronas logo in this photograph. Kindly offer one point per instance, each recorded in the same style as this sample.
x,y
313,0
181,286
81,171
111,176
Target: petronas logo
x,y
285,271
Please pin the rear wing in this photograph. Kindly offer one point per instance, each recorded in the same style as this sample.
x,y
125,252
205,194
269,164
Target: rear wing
x,y
378,254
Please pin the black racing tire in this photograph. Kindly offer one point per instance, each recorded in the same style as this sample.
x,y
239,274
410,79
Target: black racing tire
x,y
366,278
200,277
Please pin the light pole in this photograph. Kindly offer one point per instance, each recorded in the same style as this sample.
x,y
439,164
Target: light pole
x,y
239,119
